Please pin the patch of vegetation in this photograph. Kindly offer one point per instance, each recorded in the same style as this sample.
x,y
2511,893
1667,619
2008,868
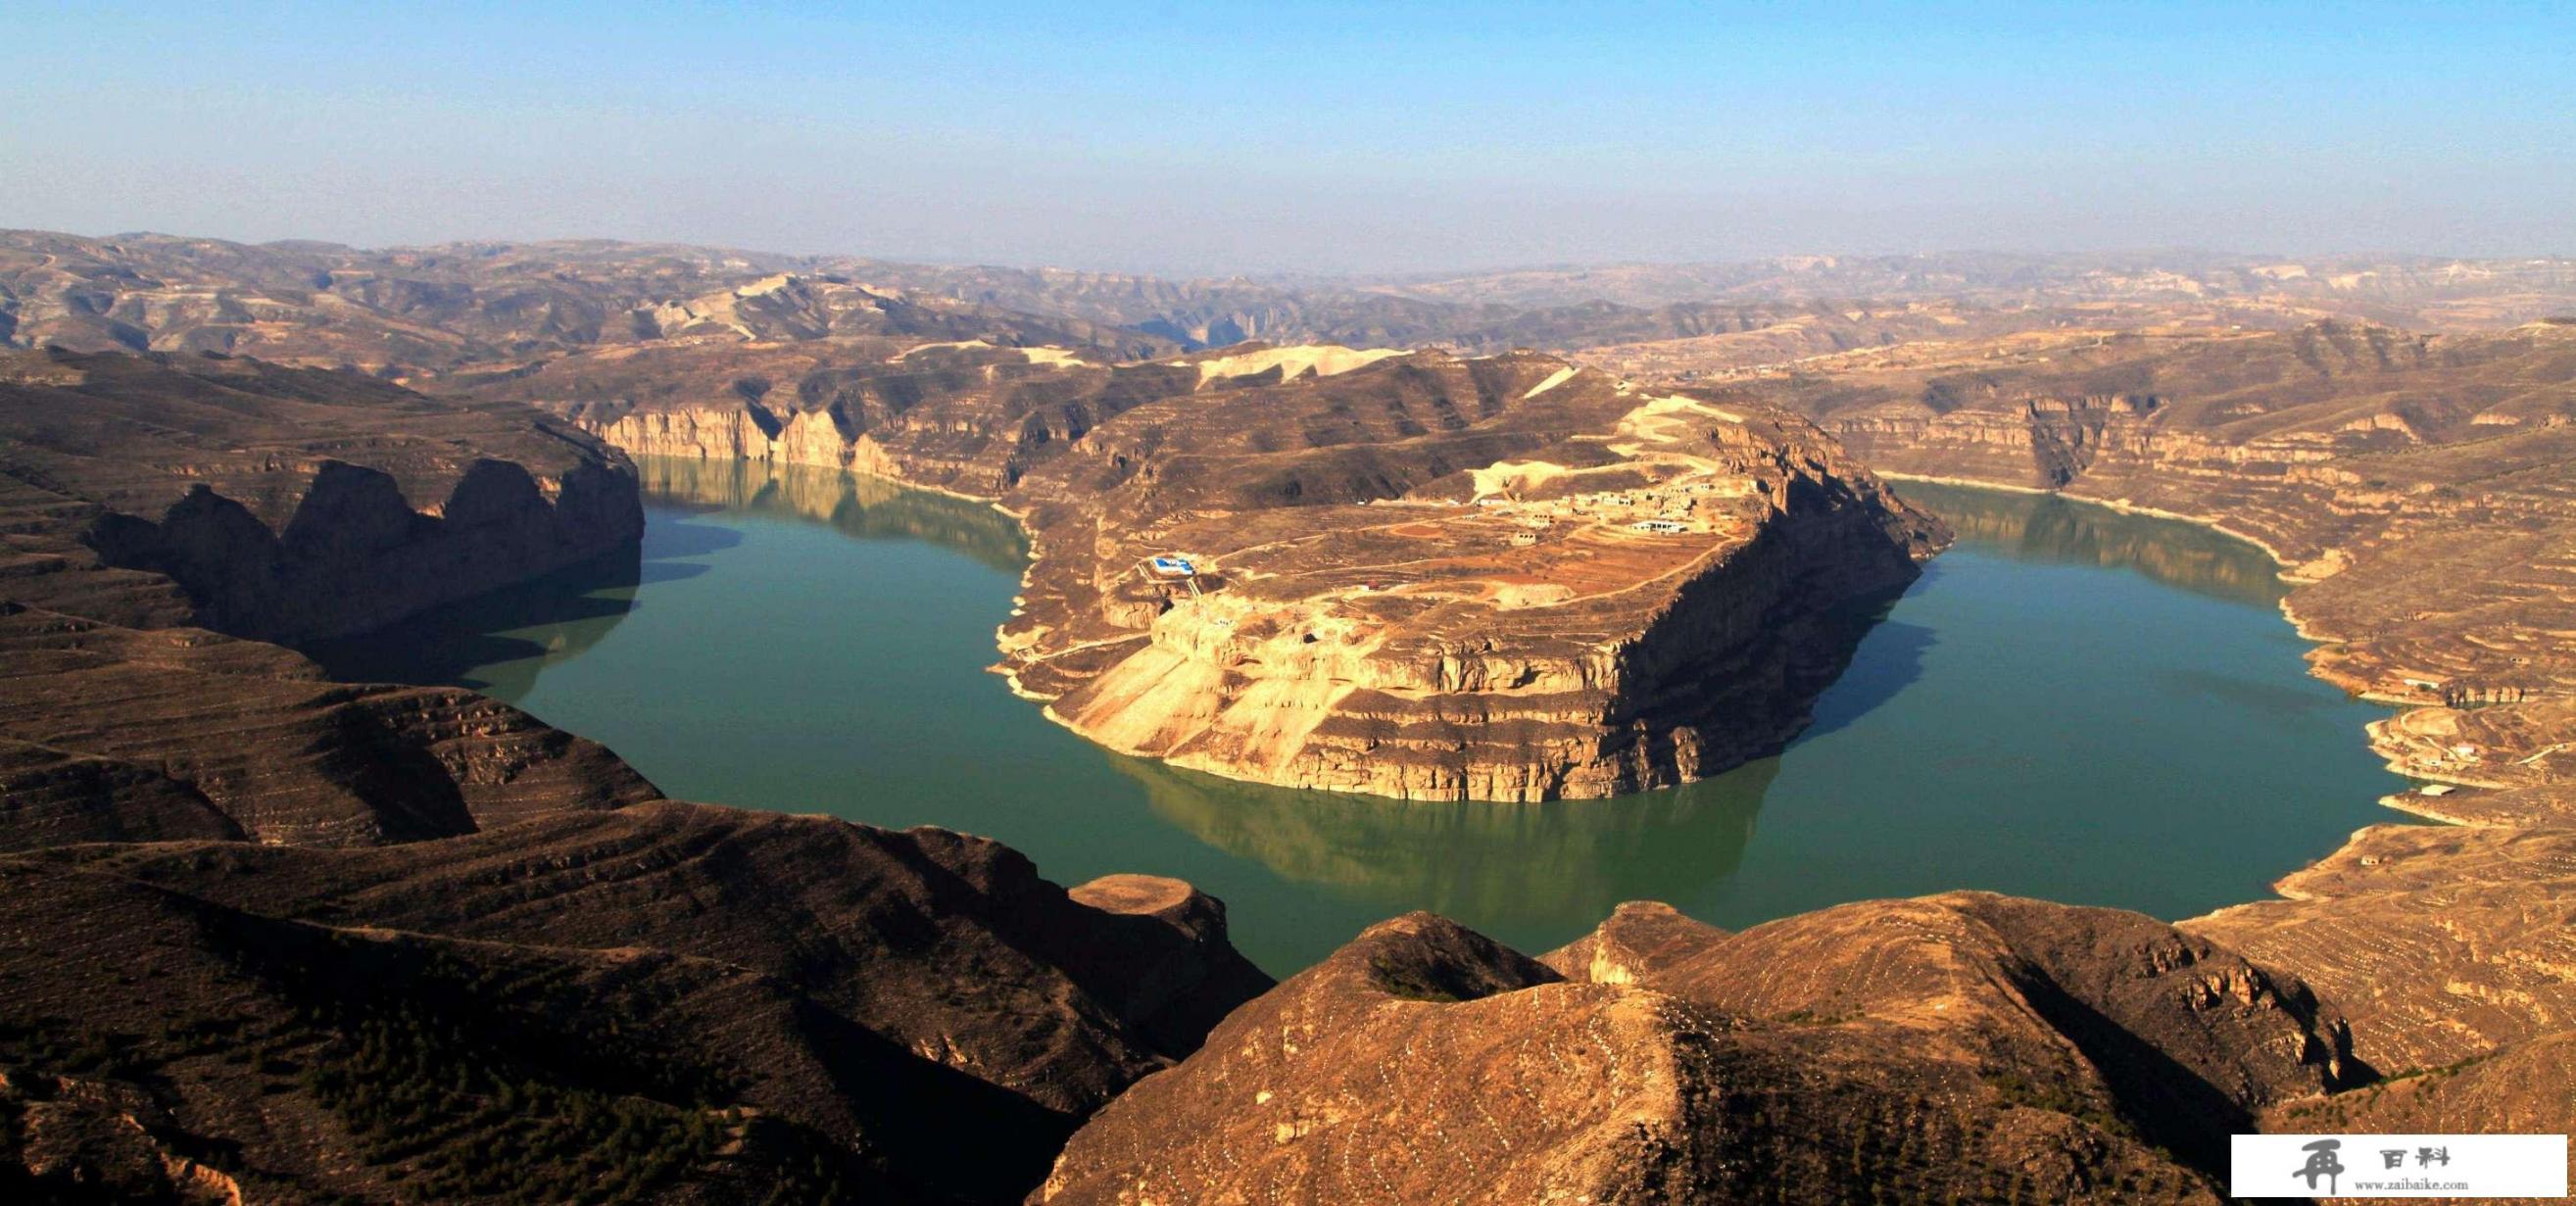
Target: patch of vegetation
x,y
460,1081
456,1121
1412,983
2338,1107
63,1046
1811,1017
2018,1090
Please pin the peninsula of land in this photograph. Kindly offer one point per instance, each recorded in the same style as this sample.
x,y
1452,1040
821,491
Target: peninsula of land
x,y
1417,575
271,936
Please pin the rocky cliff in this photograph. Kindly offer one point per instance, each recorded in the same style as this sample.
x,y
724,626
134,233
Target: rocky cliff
x,y
148,500
1424,576
2412,486
1962,1047
2414,489
285,504
272,937
1500,630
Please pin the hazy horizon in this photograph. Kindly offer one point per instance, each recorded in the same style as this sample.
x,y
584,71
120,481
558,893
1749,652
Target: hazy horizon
x,y
2159,256
1322,140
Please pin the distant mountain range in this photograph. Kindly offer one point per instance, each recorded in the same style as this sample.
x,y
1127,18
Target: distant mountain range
x,y
402,311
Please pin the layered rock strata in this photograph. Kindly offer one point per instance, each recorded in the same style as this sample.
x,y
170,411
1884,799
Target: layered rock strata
x,y
2414,485
145,500
671,1002
1415,574
2415,489
284,504
269,936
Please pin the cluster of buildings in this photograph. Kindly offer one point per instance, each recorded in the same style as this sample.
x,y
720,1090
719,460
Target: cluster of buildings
x,y
1666,509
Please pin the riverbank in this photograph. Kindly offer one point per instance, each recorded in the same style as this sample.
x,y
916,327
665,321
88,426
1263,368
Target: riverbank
x,y
1943,757
2410,802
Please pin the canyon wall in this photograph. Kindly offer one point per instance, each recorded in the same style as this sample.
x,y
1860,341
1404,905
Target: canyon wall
x,y
290,505
357,555
269,936
1371,617
148,501
2413,486
1676,680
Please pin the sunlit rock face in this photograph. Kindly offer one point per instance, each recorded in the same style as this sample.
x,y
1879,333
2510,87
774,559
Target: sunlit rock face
x,y
1578,616
2413,484
1417,575
1964,1046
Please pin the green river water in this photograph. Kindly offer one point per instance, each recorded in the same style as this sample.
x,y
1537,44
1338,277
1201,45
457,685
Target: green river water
x,y
2072,703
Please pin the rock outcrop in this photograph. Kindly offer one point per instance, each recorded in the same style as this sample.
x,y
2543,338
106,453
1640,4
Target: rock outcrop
x,y
1965,1046
284,504
2444,943
148,500
1423,576
268,936
116,734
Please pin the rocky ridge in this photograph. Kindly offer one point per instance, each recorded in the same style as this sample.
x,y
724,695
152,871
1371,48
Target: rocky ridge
x,y
487,307
501,308
1961,1046
667,1002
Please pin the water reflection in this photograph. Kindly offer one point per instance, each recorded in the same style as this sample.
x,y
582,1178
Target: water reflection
x,y
499,643
2066,687
2050,529
854,504
1508,868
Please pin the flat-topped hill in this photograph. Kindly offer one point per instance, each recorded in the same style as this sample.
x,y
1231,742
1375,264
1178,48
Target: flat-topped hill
x,y
1434,577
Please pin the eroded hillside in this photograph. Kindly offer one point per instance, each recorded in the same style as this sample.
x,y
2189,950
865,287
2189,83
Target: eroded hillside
x,y
1418,575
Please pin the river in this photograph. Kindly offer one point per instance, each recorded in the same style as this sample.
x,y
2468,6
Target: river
x,y
2072,703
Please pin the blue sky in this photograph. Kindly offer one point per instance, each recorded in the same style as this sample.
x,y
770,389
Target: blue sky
x,y
1329,138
